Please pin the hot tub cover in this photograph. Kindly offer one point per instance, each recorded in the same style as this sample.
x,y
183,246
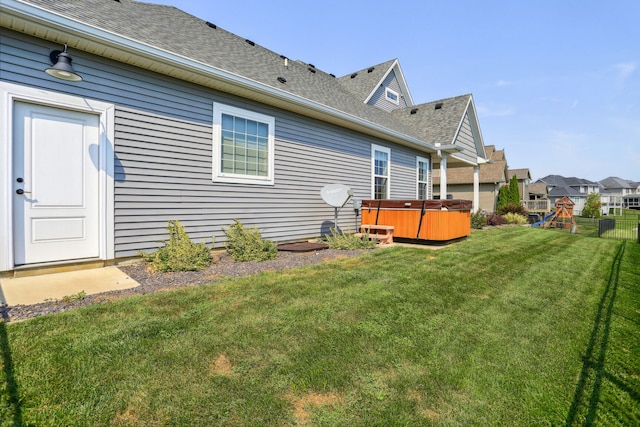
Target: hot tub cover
x,y
450,204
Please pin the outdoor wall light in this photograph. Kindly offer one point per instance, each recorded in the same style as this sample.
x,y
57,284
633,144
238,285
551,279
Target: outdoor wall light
x,y
62,68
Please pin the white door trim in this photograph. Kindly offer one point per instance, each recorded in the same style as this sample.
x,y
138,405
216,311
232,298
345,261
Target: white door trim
x,y
9,93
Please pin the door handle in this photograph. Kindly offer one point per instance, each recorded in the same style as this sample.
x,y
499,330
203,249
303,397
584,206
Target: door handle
x,y
21,191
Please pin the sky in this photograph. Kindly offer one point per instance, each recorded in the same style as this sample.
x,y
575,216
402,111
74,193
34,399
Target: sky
x,y
556,83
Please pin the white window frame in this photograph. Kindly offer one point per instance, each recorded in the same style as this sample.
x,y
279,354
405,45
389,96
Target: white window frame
x,y
427,183
218,175
388,91
378,148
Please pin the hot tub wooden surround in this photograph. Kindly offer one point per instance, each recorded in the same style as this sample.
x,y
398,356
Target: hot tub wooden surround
x,y
437,220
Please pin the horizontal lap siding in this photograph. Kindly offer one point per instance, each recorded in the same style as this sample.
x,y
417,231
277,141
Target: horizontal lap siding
x,y
163,155
465,140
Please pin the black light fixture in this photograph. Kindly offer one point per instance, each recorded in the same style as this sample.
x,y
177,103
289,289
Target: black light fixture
x,y
62,68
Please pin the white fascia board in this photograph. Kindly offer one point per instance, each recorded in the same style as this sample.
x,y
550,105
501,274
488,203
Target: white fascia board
x,y
471,107
401,81
118,43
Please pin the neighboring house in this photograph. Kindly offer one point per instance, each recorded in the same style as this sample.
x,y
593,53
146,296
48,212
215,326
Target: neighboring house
x,y
176,118
577,189
492,175
524,179
538,191
618,193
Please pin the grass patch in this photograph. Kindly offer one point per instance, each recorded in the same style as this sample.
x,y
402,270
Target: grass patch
x,y
399,336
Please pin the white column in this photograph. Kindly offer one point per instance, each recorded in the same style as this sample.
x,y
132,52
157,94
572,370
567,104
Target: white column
x,y
476,188
443,177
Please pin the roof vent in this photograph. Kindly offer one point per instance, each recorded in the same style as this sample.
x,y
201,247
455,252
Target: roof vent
x,y
353,76
438,106
250,42
332,75
371,69
414,110
313,70
212,25
312,66
282,80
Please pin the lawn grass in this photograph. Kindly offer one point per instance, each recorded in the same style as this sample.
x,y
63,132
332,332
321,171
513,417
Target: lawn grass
x,y
514,326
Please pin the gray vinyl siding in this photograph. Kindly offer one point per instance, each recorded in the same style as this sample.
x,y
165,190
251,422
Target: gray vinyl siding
x,y
163,155
379,100
466,140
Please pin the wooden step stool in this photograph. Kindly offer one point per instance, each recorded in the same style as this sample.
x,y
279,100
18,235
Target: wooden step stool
x,y
383,233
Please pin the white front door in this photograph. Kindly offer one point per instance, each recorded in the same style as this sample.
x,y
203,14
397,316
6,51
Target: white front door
x,y
56,194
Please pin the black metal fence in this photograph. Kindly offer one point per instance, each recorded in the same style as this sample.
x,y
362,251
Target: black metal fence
x,y
612,228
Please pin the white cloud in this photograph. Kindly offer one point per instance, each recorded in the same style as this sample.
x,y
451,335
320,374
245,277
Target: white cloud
x,y
503,83
624,71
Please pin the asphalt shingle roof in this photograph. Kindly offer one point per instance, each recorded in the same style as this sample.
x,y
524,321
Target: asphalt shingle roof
x,y
365,80
613,182
435,125
173,30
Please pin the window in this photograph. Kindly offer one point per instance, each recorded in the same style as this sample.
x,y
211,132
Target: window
x,y
243,146
424,189
392,96
380,163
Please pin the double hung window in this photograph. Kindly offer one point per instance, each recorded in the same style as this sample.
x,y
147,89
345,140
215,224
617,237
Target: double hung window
x,y
243,146
423,187
381,172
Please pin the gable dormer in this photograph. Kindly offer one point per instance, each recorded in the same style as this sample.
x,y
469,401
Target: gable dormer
x,y
382,86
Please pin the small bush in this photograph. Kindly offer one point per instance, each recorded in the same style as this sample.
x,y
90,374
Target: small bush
x,y
247,244
179,253
495,219
347,241
513,208
478,220
514,218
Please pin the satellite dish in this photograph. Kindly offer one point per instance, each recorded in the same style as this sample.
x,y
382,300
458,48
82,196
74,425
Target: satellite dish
x,y
336,195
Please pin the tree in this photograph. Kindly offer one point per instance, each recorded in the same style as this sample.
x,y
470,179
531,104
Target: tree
x,y
509,194
514,191
592,206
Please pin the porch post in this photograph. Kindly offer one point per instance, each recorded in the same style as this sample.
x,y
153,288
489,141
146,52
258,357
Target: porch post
x,y
476,188
443,177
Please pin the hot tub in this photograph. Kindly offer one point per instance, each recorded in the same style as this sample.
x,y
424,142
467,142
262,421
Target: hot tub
x,y
437,220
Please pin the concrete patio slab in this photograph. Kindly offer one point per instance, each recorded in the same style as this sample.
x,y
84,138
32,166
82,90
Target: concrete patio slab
x,y
56,286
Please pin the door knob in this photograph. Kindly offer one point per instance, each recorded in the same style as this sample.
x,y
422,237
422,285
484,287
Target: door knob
x,y
20,191
20,180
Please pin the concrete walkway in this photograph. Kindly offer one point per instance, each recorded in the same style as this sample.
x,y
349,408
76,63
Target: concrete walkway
x,y
56,286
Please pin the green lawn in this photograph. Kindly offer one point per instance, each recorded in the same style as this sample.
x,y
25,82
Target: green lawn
x,y
514,326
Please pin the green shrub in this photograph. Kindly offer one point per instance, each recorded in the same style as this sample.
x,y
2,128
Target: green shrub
x,y
347,241
179,253
514,218
478,220
247,244
495,219
513,208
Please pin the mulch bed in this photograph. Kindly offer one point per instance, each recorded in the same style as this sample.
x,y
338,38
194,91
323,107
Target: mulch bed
x,y
223,266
